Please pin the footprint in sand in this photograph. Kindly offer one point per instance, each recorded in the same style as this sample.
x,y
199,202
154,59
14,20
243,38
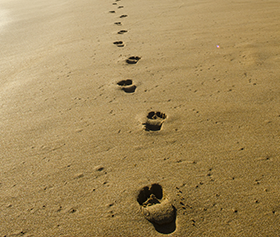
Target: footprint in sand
x,y
122,32
118,23
133,60
127,86
155,207
119,43
120,7
123,16
112,11
154,121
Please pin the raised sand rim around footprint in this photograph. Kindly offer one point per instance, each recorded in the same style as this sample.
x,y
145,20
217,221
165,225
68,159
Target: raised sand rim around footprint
x,y
155,207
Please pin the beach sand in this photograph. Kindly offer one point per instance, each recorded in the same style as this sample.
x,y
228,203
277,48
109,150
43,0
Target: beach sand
x,y
194,113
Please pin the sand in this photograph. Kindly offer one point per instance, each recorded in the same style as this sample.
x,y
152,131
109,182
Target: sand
x,y
195,112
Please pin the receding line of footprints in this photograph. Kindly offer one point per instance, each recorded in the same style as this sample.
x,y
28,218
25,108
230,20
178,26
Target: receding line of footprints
x,y
155,206
154,120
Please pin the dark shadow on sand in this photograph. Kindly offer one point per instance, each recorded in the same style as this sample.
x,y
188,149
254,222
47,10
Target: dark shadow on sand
x,y
167,228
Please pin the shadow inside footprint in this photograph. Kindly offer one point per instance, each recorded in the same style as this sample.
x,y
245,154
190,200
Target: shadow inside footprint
x,y
155,115
122,32
145,194
127,86
133,60
154,121
122,16
156,209
112,11
118,23
119,43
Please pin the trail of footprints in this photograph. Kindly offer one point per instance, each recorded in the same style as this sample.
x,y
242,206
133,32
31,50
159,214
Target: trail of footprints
x,y
154,119
154,205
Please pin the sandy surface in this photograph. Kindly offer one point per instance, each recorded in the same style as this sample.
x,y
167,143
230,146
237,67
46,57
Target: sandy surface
x,y
74,151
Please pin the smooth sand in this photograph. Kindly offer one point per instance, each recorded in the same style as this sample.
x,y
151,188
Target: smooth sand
x,y
74,152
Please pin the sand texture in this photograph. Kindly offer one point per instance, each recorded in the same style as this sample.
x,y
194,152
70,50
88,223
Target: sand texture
x,y
139,118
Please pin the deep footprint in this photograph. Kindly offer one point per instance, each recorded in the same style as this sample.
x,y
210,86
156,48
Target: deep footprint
x,y
154,121
122,16
112,11
119,43
122,32
127,86
155,207
133,60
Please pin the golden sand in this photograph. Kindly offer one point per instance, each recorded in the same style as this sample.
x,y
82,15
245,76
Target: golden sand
x,y
103,99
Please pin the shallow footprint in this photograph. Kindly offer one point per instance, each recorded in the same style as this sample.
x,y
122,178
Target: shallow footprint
x,y
122,32
127,86
154,121
119,43
133,60
154,206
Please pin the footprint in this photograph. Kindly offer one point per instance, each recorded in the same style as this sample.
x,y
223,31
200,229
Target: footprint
x,y
119,43
122,31
118,23
133,60
127,86
112,11
154,121
120,7
122,16
154,206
